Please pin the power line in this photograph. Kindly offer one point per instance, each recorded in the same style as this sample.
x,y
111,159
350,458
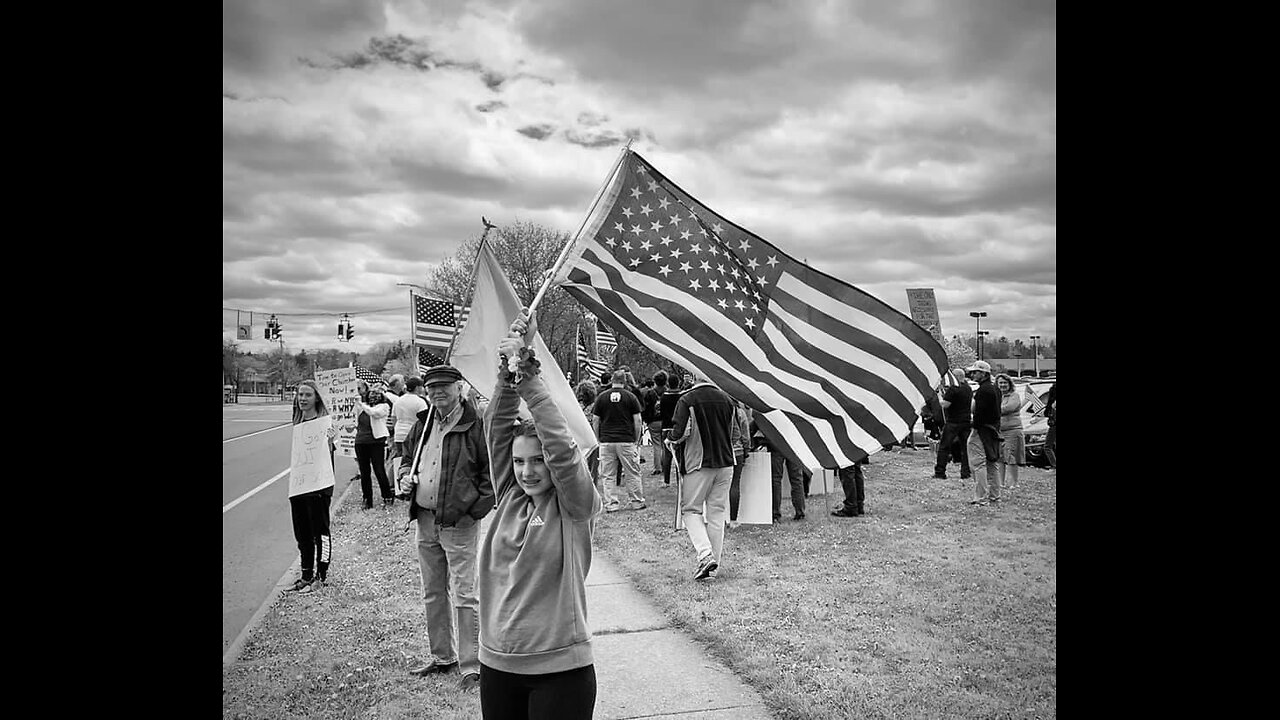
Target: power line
x,y
399,309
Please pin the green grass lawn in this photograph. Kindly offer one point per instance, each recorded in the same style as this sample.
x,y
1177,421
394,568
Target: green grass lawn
x,y
925,607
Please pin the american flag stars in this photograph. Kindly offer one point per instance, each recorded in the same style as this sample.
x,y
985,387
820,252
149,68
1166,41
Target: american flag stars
x,y
728,278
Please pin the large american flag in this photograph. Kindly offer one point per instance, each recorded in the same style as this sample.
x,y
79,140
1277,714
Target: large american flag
x,y
832,373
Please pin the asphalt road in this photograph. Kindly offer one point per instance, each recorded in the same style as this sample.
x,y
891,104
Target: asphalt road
x,y
257,534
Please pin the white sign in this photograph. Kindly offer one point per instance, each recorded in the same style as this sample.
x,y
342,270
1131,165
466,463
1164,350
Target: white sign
x,y
310,468
755,490
340,390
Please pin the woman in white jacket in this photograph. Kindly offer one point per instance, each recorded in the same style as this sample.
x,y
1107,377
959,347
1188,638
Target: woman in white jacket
x,y
371,440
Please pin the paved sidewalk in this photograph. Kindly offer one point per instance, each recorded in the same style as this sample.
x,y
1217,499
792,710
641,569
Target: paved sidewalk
x,y
646,668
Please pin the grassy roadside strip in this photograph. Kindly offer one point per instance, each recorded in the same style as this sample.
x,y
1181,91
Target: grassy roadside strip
x,y
926,607
344,652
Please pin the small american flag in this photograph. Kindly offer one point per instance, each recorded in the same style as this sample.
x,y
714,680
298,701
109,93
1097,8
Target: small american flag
x,y
367,375
605,339
427,359
435,322
1036,404
587,367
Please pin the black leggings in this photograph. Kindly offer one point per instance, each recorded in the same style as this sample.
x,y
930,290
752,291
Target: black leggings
x,y
372,454
568,695
310,513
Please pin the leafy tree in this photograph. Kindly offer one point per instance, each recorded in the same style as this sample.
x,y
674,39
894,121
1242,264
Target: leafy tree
x,y
231,363
959,353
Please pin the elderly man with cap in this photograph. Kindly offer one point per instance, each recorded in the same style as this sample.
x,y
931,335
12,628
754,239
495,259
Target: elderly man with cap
x,y
984,441
445,477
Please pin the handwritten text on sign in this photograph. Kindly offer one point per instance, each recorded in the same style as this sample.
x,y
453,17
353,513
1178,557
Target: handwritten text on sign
x,y
340,392
310,468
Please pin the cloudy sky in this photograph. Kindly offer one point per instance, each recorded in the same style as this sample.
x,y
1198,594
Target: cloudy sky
x,y
893,144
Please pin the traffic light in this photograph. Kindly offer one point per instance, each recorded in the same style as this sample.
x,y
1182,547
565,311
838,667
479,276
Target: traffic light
x,y
342,330
277,331
351,330
266,332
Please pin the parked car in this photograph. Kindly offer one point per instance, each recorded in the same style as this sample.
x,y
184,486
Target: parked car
x,y
1035,426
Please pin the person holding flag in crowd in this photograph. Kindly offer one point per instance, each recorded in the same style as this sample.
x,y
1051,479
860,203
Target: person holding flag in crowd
x,y
536,659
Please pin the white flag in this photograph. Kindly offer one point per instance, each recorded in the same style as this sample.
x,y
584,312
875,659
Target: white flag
x,y
494,306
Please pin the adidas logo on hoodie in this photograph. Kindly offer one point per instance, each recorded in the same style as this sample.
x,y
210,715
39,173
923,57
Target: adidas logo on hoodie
x,y
536,521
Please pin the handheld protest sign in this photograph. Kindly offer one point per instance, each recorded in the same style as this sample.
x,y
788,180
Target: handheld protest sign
x,y
340,390
310,468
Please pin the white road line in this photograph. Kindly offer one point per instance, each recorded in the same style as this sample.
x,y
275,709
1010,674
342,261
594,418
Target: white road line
x,y
254,491
241,437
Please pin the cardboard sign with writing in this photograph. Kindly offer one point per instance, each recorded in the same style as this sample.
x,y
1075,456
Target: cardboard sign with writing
x,y
340,391
924,310
309,467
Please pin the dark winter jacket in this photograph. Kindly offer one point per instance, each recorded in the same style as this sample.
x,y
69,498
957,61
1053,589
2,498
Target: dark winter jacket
x,y
465,485
703,425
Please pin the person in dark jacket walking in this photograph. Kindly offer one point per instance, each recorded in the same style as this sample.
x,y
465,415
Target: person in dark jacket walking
x,y
446,481
984,441
956,402
702,428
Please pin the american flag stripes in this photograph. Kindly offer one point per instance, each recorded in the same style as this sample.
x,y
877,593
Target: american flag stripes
x,y
1036,404
833,373
605,341
587,367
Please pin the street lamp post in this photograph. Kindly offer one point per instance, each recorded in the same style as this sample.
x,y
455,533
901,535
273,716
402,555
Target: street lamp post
x,y
977,328
1018,356
981,334
1035,354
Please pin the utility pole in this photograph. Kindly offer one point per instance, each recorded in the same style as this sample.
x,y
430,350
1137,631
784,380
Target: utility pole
x,y
1035,353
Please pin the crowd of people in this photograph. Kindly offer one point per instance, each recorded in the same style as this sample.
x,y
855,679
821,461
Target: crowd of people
x,y
507,609
982,430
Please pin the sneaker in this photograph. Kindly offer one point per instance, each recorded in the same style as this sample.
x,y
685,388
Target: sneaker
x,y
612,508
936,476
434,667
656,472
470,681
636,506
313,586
843,512
712,575
733,524
798,516
298,585
977,502
706,566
